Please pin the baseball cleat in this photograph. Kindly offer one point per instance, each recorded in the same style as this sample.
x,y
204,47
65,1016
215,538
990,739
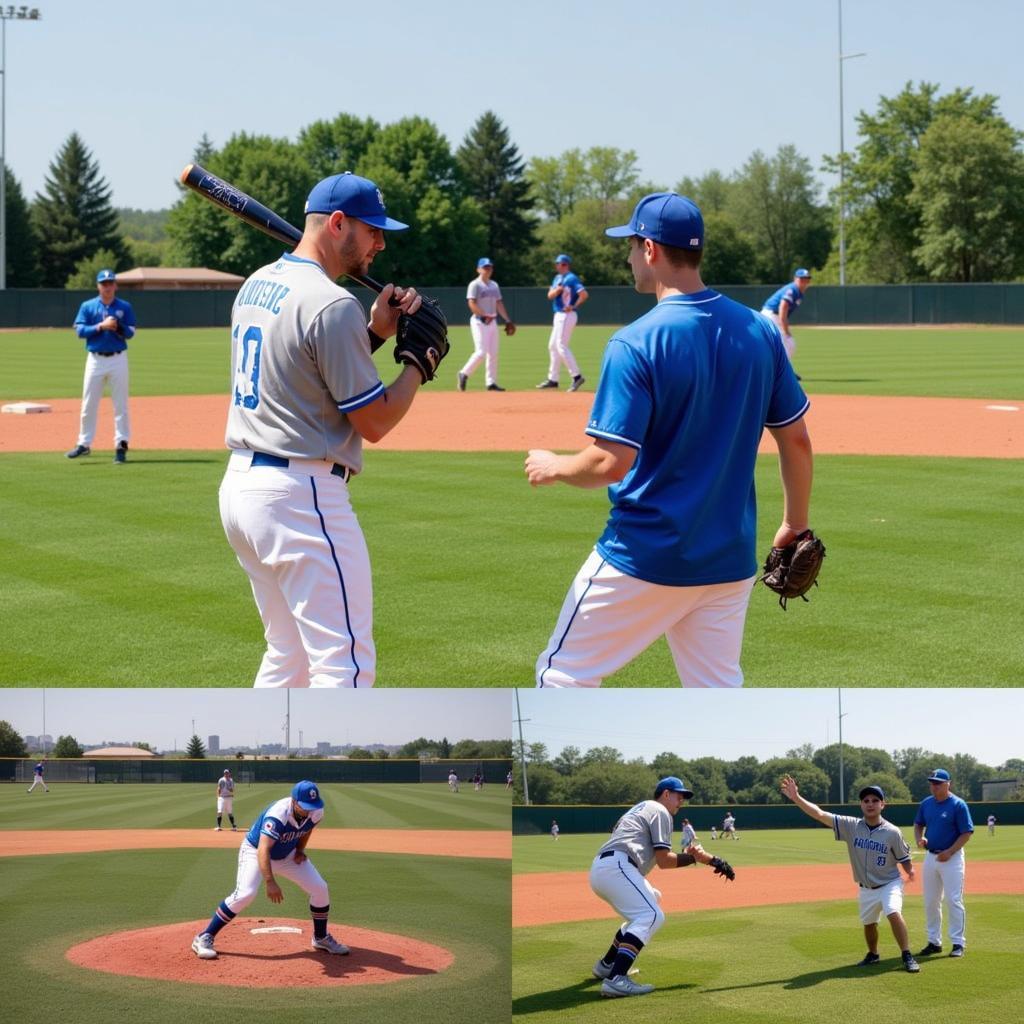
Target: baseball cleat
x,y
462,378
910,965
601,970
930,949
495,387
620,985
79,449
329,944
577,383
121,453
871,958
202,946
957,951
547,384
218,829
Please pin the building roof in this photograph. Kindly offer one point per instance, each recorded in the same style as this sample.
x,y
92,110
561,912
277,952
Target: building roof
x,y
119,752
178,277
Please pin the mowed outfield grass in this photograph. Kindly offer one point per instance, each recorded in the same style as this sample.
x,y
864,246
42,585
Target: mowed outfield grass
x,y
973,362
786,964
71,805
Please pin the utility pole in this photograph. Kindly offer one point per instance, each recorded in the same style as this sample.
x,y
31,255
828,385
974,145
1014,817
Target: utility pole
x,y
522,751
842,788
842,154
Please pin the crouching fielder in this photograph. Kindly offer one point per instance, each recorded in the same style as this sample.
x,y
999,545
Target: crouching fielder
x,y
275,846
641,838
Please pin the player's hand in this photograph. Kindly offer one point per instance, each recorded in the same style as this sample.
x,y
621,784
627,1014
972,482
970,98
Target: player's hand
x,y
911,874
698,852
541,467
274,893
786,534
922,843
109,323
789,787
943,856
384,315
299,857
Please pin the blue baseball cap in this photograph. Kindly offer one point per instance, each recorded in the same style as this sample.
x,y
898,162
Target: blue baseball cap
x,y
562,258
802,272
939,775
877,790
484,261
674,784
106,275
667,218
353,196
307,795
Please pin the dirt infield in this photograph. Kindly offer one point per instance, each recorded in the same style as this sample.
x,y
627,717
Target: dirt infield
x,y
558,897
261,953
491,845
516,421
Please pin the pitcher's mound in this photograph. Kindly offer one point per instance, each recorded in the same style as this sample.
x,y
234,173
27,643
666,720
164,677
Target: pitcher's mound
x,y
256,952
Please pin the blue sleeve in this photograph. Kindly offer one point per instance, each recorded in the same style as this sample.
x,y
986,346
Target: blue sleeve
x,y
788,401
624,400
919,817
963,819
83,328
129,321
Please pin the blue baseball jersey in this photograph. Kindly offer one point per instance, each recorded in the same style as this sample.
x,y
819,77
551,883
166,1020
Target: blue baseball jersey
x,y
572,287
92,313
790,292
691,386
277,822
38,768
944,821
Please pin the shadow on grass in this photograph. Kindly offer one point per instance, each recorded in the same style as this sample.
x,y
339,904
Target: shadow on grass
x,y
813,978
586,991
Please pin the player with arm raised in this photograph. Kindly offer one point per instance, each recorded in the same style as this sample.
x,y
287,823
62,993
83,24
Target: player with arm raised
x,y
778,306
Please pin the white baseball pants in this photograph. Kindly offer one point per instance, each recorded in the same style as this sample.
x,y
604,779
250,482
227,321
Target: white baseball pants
x,y
248,880
37,780
99,370
622,886
943,882
558,345
878,903
608,618
787,339
485,347
225,804
297,537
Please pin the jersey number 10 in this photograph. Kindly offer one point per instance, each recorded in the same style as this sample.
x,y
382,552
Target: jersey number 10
x,y
247,372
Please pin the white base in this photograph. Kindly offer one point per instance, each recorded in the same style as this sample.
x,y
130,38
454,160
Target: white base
x,y
21,408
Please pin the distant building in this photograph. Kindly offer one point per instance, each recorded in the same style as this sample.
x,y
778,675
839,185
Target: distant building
x,y
1000,789
122,752
213,744
43,743
323,749
172,278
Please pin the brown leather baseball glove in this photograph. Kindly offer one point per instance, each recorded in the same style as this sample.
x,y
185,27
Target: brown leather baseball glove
x,y
792,571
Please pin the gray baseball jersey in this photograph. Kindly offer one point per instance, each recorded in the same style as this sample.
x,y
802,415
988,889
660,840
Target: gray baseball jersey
x,y
485,293
874,852
644,828
300,355
225,787
687,836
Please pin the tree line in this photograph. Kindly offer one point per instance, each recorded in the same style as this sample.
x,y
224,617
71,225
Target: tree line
x,y
602,776
934,191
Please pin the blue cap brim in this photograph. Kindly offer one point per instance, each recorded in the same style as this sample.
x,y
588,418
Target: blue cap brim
x,y
385,223
623,231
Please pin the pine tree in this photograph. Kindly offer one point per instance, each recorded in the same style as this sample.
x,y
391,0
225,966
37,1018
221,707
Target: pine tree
x,y
21,241
74,216
493,174
196,751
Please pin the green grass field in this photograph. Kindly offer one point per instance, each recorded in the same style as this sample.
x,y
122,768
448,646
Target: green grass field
x,y
192,805
780,964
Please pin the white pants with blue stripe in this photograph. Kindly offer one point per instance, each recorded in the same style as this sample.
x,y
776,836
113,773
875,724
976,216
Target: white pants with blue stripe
x,y
250,878
943,882
297,537
608,618
618,883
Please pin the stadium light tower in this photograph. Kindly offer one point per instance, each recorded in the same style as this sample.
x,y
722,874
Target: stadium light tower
x,y
842,153
842,791
7,14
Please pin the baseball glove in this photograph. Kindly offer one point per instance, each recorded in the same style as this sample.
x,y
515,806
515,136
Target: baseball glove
x,y
510,328
722,867
792,571
422,339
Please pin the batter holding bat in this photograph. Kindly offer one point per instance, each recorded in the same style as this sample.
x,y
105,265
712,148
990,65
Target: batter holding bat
x,y
305,395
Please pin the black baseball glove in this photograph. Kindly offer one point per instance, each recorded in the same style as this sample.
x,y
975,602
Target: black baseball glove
x,y
422,339
722,867
792,571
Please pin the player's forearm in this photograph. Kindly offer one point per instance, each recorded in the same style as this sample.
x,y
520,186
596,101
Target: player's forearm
x,y
376,420
961,842
263,860
796,469
813,810
503,311
581,297
592,467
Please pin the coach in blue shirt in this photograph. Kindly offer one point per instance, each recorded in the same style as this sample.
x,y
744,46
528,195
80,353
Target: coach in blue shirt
x,y
105,324
684,396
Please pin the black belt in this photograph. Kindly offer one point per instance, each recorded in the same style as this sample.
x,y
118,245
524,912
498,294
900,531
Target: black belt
x,y
105,354
873,886
263,459
611,853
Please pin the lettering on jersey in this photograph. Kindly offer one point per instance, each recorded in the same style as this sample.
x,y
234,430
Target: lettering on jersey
x,y
265,294
871,844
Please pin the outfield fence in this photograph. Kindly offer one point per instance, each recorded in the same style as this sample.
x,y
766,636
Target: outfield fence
x,y
536,819
822,305
99,770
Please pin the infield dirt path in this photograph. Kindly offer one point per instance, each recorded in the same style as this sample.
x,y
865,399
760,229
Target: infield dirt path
x,y
516,421
557,897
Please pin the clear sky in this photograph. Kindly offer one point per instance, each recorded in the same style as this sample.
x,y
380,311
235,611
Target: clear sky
x,y
766,723
689,85
164,718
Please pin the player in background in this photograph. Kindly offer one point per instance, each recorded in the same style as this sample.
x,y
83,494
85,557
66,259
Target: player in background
x,y
780,304
37,777
943,827
275,846
729,826
483,296
687,835
992,819
453,782
508,781
567,294
106,324
226,799
554,830
714,832
685,393
877,851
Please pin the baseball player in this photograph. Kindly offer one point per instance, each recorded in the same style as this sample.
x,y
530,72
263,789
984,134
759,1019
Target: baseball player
x,y
567,294
484,299
37,777
226,799
714,832
453,782
684,396
641,838
306,393
729,826
992,819
106,324
554,830
877,851
780,304
275,846
687,836
943,827
508,781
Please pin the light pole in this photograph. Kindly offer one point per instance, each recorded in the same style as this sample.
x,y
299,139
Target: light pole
x,y
7,14
842,790
522,751
842,153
